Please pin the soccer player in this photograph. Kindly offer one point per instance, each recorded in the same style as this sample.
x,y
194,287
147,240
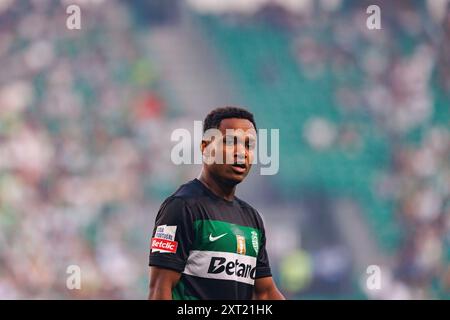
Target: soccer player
x,y
207,243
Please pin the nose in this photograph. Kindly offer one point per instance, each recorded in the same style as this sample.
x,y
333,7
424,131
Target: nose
x,y
240,153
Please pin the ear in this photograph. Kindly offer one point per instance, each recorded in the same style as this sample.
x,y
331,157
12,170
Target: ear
x,y
203,145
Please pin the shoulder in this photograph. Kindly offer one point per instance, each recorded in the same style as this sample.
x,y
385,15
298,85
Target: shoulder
x,y
190,189
252,211
183,197
246,205
174,211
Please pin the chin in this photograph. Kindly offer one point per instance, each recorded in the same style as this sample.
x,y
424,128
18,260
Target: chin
x,y
235,179
230,177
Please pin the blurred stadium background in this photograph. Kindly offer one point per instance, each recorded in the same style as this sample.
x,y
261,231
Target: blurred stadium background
x,y
86,117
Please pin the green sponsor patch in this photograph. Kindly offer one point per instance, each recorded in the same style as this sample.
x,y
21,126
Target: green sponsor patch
x,y
214,235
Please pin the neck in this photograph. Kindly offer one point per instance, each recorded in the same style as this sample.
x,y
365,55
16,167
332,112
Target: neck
x,y
218,187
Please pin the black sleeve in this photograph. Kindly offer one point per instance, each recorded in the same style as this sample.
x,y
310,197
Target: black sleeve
x,y
262,261
172,235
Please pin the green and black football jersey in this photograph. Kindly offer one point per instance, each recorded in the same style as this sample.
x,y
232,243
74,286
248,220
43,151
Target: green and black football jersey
x,y
219,246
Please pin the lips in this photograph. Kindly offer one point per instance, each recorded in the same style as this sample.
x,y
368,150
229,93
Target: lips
x,y
239,167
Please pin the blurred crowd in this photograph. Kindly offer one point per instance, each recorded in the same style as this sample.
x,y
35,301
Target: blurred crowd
x,y
81,116
406,92
399,81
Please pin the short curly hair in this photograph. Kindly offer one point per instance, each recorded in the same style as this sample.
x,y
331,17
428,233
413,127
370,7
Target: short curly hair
x,y
214,118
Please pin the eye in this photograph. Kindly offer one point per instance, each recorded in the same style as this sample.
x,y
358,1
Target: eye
x,y
229,141
250,145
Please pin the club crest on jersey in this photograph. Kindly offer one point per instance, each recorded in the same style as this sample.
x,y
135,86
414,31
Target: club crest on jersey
x,y
164,239
255,241
240,240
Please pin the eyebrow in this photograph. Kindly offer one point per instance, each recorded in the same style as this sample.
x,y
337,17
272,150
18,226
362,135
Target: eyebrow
x,y
250,138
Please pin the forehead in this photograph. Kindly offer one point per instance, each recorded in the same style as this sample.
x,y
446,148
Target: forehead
x,y
234,124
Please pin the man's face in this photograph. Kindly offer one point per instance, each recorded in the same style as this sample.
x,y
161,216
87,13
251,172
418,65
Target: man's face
x,y
236,148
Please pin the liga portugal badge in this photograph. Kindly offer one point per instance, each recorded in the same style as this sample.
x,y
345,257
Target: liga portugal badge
x,y
240,240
